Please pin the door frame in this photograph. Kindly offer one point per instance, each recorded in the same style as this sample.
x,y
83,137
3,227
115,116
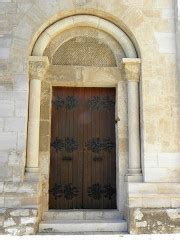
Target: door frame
x,y
85,77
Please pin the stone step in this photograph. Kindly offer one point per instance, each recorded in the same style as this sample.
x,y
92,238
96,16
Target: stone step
x,y
81,215
74,226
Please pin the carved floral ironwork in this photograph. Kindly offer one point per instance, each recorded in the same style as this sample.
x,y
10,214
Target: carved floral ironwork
x,y
58,144
108,145
96,191
101,103
68,144
108,191
68,190
57,191
59,102
96,145
70,102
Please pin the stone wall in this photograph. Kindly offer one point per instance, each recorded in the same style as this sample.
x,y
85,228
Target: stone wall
x,y
20,205
18,221
148,221
151,26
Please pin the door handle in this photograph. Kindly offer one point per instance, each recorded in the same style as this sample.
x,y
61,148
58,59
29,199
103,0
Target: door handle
x,y
67,158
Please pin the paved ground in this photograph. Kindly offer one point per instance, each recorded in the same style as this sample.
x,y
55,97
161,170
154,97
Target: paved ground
x,y
94,237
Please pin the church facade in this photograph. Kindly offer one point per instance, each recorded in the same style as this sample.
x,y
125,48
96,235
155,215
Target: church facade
x,y
89,116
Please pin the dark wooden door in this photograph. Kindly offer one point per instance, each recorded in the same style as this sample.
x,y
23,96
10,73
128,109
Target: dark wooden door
x,y
83,159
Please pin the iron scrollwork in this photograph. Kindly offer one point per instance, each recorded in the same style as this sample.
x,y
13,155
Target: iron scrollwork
x,y
70,102
108,145
96,191
68,144
96,145
57,191
59,102
68,190
57,144
101,103
108,191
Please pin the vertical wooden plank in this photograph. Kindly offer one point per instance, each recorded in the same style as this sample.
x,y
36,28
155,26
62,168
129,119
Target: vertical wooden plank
x,y
87,175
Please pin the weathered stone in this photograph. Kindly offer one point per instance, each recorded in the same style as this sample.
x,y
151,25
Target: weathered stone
x,y
154,221
29,230
174,213
2,210
9,222
153,30
10,187
138,215
13,231
28,220
141,224
34,212
1,187
1,220
20,212
1,202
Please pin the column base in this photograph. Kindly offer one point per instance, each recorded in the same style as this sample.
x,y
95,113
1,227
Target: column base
x,y
32,174
134,175
32,170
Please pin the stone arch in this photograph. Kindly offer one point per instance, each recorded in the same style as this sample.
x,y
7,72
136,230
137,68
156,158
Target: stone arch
x,y
127,71
84,20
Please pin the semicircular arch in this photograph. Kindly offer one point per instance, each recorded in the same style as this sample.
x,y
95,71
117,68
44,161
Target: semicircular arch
x,y
84,20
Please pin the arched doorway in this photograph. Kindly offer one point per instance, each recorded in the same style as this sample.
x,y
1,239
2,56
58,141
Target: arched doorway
x,y
84,52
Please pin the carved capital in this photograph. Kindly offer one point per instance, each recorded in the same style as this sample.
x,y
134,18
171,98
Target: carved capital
x,y
131,69
37,67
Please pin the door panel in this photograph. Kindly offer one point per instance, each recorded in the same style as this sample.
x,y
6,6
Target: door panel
x,y
83,160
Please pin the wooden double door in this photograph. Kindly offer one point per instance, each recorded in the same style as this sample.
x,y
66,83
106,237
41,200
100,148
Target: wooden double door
x,y
83,150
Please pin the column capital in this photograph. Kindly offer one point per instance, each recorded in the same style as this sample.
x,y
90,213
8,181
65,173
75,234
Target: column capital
x,y
38,66
131,68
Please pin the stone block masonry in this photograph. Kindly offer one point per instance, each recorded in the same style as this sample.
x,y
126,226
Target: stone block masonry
x,y
154,220
153,26
18,221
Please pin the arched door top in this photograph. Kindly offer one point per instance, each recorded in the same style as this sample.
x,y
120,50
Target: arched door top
x,y
84,20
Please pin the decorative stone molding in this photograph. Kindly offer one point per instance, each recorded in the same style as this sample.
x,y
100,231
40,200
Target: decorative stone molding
x,y
131,68
84,21
37,67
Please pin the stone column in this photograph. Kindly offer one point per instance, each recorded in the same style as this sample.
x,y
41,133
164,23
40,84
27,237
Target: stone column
x,y
37,69
131,71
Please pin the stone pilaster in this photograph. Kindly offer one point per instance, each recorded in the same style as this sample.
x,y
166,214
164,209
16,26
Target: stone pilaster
x,y
131,71
37,69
